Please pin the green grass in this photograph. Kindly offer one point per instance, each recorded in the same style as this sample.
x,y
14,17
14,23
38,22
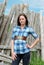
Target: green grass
x,y
36,60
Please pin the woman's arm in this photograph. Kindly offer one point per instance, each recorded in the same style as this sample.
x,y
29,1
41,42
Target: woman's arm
x,y
13,54
33,44
36,37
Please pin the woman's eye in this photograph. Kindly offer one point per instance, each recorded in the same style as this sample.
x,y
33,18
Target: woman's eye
x,y
22,19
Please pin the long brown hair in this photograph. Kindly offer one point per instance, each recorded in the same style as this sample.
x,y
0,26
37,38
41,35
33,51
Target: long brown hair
x,y
18,23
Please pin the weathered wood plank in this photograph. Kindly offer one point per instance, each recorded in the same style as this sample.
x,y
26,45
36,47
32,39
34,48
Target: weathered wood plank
x,y
5,58
4,47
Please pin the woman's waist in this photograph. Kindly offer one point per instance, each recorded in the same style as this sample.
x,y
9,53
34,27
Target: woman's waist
x,y
20,38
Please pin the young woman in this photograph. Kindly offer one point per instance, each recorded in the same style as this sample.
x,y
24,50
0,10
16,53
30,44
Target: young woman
x,y
20,49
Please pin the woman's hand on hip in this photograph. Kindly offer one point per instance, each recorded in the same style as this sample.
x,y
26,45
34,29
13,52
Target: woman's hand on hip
x,y
28,46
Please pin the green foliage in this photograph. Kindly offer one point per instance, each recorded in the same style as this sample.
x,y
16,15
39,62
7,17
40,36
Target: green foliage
x,y
35,60
8,28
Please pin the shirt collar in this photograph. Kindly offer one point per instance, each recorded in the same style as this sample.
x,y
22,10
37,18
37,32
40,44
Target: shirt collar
x,y
23,28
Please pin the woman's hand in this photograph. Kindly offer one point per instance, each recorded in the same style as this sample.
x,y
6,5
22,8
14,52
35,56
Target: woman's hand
x,y
28,46
33,44
13,55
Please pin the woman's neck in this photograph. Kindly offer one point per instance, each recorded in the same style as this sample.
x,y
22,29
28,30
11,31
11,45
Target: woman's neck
x,y
22,26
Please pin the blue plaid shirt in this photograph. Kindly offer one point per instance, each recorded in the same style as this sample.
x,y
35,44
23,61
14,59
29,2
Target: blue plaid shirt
x,y
20,45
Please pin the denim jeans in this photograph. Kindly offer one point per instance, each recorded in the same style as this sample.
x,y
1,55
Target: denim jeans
x,y
25,58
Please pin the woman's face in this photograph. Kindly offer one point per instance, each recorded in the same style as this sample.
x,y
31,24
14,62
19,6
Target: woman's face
x,y
22,20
